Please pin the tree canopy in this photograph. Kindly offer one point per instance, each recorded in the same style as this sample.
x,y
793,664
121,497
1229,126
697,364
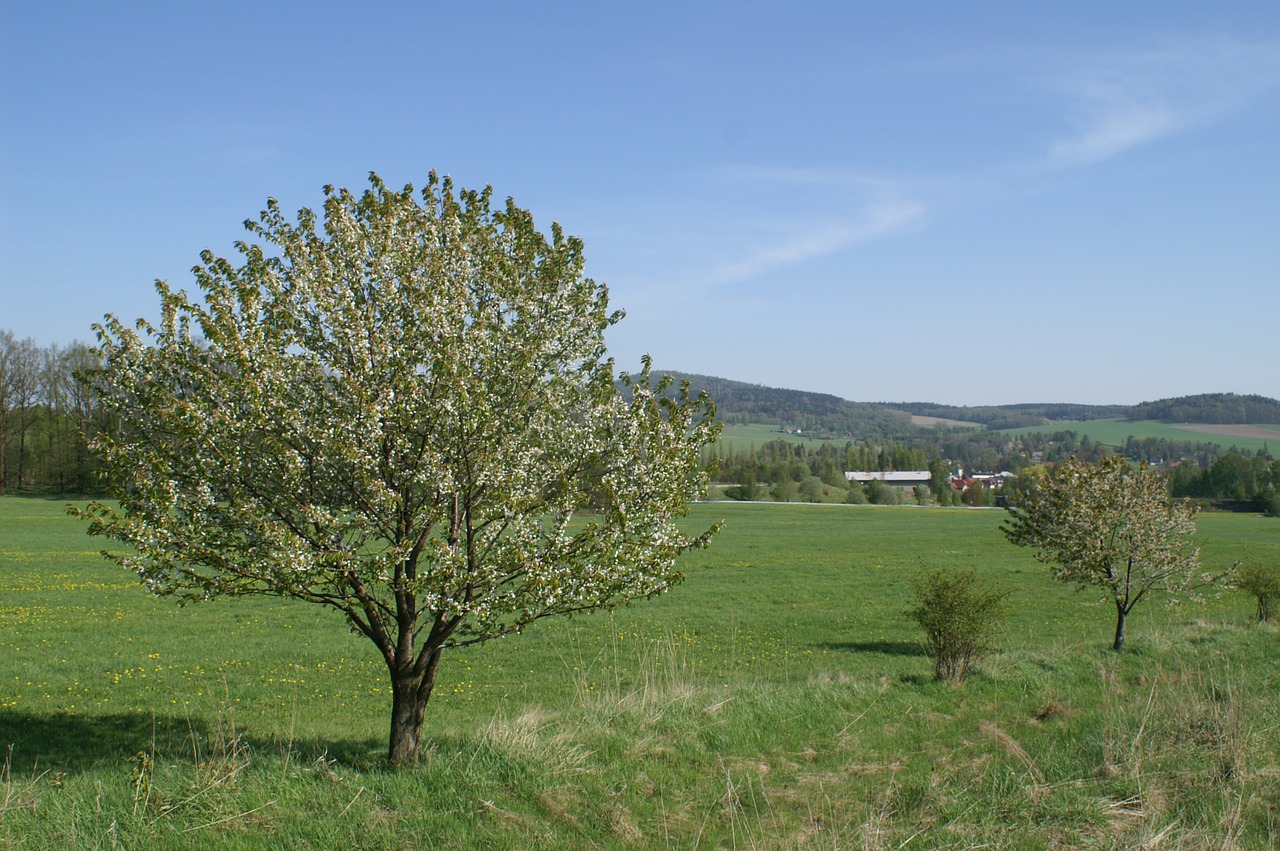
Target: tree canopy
x,y
398,413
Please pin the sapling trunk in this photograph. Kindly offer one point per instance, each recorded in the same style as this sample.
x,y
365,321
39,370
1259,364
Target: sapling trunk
x,y
1121,615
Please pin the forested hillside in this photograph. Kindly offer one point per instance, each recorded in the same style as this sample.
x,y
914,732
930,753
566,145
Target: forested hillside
x,y
819,413
1209,408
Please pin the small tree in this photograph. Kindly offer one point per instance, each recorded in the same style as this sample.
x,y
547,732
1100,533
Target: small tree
x,y
784,489
1111,526
959,618
1271,503
978,495
396,414
747,487
1263,582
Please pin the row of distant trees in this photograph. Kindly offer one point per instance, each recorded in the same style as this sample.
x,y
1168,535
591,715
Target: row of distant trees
x,y
1252,481
786,471
45,413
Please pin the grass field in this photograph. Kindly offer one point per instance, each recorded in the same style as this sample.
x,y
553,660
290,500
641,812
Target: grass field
x,y
778,699
1116,432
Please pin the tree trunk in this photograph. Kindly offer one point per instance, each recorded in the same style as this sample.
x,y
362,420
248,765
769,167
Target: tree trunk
x,y
1121,614
409,695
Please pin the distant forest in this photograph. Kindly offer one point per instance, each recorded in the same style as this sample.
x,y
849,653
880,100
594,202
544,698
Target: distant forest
x,y
1209,408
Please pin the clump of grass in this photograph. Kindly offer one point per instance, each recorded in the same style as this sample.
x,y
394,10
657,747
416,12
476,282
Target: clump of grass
x,y
533,735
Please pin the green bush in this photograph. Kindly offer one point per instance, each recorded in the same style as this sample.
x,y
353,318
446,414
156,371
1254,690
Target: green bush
x,y
1263,582
959,617
811,489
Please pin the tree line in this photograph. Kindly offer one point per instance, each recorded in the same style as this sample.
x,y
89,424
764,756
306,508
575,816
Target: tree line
x,y
45,415
1246,480
788,471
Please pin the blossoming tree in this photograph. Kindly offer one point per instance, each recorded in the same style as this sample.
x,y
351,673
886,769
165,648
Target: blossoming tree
x,y
397,413
1112,526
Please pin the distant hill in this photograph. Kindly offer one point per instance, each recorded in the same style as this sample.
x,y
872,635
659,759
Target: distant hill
x,y
739,402
1209,409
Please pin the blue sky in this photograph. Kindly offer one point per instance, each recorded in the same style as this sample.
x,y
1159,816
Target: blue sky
x,y
960,203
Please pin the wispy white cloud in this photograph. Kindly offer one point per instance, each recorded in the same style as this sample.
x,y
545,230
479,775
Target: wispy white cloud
x,y
878,219
812,213
1115,130
1119,103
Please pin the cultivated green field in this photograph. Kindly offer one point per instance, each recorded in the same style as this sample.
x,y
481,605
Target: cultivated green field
x,y
1116,432
778,699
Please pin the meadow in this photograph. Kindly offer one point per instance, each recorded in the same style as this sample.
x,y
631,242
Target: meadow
x,y
777,699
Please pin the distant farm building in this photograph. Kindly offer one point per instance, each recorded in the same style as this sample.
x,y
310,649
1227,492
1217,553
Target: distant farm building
x,y
985,480
894,478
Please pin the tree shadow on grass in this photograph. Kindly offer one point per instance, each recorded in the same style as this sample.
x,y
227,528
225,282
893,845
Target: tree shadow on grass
x,y
888,648
74,743
64,744
61,742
